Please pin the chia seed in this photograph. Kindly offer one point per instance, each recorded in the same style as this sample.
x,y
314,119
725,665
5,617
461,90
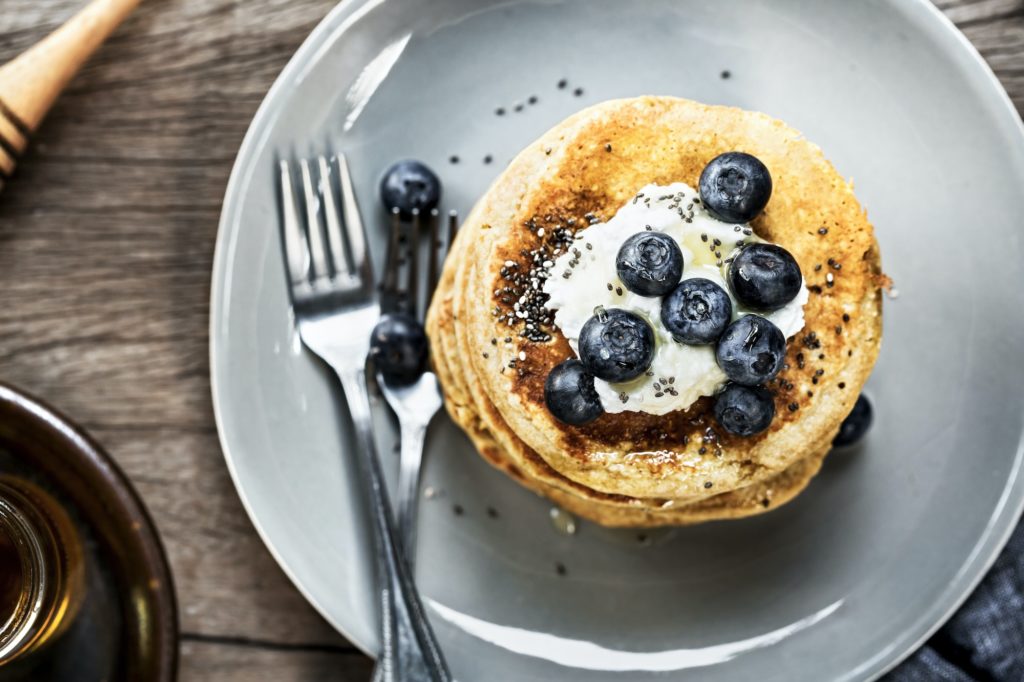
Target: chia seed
x,y
810,340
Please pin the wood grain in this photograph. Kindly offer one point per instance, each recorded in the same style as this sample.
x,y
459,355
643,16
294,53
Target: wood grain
x,y
106,246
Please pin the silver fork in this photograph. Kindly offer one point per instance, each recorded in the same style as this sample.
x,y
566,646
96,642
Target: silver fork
x,y
333,299
414,403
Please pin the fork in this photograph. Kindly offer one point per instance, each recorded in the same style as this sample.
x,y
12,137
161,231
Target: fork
x,y
414,403
331,284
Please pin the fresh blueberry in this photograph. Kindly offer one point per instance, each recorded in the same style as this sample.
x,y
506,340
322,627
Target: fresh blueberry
x,y
616,345
398,347
409,185
735,187
764,277
744,410
570,395
751,350
856,423
650,263
696,312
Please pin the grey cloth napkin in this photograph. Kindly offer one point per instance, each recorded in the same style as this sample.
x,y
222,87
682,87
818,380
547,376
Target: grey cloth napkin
x,y
984,641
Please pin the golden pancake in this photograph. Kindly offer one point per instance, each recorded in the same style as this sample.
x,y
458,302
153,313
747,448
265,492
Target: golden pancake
x,y
655,469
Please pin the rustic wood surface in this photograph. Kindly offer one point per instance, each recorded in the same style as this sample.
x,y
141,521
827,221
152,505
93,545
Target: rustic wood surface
x,y
106,247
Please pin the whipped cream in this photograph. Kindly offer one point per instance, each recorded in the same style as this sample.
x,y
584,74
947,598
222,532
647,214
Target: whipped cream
x,y
706,243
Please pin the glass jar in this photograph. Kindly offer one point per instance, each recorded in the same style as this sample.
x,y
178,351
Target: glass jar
x,y
42,575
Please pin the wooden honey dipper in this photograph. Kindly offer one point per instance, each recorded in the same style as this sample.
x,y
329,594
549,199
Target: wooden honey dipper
x,y
31,83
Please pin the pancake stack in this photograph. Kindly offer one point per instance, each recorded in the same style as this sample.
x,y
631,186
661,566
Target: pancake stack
x,y
633,468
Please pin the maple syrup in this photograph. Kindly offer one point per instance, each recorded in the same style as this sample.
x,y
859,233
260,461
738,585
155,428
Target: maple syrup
x,y
42,573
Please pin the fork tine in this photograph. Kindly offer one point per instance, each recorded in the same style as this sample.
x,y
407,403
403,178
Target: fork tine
x,y
453,227
314,229
412,291
335,240
296,252
361,265
390,282
432,254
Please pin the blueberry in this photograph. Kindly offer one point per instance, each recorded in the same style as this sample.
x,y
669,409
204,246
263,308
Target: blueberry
x,y
764,277
856,423
696,312
570,395
408,185
398,347
744,410
751,350
616,345
735,187
650,263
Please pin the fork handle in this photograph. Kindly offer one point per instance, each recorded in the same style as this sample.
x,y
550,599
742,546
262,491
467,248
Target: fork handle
x,y
409,649
410,459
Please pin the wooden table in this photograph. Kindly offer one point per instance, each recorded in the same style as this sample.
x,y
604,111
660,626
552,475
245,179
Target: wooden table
x,y
106,247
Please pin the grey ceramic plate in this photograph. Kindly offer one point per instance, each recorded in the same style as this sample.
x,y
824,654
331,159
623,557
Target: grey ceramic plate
x,y
838,585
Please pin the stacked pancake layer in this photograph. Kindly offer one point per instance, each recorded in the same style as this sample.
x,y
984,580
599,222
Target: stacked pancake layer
x,y
636,469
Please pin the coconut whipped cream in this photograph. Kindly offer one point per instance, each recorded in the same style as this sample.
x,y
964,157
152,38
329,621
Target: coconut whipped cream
x,y
679,374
